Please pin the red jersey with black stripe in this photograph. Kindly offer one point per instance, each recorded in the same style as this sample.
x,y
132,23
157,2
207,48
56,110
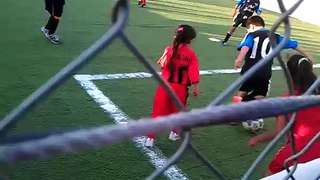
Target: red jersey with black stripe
x,y
186,67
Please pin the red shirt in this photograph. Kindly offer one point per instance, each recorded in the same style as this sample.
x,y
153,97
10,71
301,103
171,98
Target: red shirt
x,y
186,67
307,122
306,126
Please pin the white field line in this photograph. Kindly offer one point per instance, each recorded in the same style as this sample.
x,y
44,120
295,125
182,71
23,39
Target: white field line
x,y
148,75
154,154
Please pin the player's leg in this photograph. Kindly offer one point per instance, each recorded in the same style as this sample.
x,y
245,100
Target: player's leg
x,y
228,35
277,163
244,23
236,22
49,8
242,91
254,89
242,94
245,90
262,88
160,108
182,93
144,3
54,20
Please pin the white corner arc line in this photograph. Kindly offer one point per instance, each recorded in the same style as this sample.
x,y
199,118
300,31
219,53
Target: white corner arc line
x,y
139,75
155,155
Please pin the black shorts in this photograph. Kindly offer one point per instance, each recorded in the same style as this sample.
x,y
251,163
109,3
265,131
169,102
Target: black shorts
x,y
240,19
256,87
54,7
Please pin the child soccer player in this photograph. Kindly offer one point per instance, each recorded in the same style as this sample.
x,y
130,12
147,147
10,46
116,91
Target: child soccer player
x,y
246,10
307,121
55,9
180,69
254,48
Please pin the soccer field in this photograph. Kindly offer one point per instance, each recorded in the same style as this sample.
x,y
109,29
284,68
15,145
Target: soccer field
x,y
28,60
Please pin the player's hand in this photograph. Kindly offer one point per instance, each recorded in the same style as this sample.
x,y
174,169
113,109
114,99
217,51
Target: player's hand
x,y
309,56
237,64
253,141
195,92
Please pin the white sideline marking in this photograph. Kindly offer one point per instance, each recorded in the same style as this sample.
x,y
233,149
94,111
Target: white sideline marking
x,y
155,155
214,39
148,75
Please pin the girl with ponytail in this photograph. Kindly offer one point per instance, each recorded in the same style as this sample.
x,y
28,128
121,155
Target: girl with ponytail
x,y
180,68
307,123
301,72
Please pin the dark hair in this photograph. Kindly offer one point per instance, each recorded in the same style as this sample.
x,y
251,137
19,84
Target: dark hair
x,y
255,20
301,71
183,35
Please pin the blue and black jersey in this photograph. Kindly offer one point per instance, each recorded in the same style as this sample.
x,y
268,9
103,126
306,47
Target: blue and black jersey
x,y
259,48
248,7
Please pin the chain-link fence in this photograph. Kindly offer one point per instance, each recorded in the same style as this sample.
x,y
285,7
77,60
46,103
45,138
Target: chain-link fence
x,y
49,144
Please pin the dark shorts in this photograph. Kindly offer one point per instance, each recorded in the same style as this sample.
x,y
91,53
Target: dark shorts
x,y
256,87
240,19
54,7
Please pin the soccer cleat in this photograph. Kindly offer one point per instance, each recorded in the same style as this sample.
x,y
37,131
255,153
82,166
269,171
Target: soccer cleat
x,y
45,31
53,38
223,43
149,142
143,5
174,136
139,3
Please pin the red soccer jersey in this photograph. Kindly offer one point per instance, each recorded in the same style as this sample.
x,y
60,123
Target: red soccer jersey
x,y
307,122
186,67
307,125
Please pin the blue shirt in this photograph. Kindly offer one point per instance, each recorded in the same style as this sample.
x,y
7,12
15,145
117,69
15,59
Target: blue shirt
x,y
249,42
242,3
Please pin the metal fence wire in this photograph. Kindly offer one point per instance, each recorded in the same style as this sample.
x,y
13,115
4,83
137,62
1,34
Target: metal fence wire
x,y
49,144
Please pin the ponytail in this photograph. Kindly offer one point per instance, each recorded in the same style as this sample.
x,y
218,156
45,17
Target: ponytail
x,y
183,35
177,40
301,71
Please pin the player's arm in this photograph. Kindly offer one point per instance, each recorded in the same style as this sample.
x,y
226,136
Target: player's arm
x,y
239,61
244,48
300,50
163,60
258,10
235,10
194,75
239,4
269,135
292,44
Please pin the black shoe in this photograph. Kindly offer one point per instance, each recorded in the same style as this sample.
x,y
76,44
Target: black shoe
x,y
139,3
143,5
223,43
